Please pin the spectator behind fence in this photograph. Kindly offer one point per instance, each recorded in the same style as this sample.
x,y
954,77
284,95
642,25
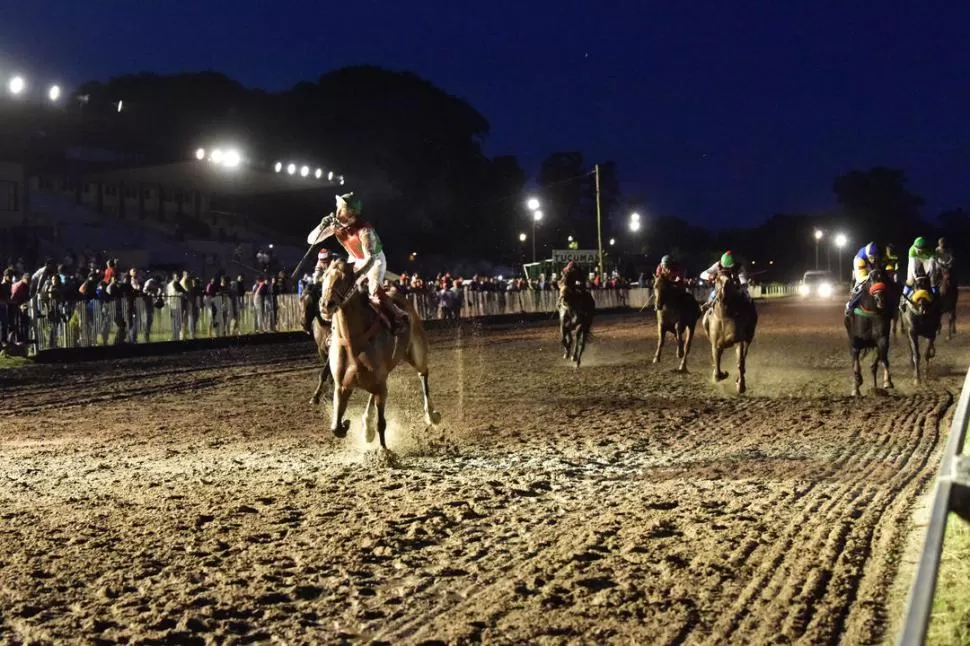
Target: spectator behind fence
x,y
6,313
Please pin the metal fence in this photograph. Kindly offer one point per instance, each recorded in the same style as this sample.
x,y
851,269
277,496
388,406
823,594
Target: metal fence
x,y
78,324
952,494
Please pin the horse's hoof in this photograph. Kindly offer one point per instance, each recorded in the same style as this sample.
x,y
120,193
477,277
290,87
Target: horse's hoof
x,y
888,385
433,418
681,369
720,376
741,388
341,431
656,360
856,392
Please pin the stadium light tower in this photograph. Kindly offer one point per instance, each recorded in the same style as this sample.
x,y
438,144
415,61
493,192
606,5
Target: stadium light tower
x,y
17,85
54,93
840,241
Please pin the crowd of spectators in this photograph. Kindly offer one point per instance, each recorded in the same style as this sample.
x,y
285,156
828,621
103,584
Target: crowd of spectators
x,y
76,301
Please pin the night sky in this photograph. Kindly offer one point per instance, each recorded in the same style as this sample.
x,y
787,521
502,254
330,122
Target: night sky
x,y
721,112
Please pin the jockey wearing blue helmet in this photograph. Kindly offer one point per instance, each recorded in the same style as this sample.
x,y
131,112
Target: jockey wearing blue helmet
x,y
865,261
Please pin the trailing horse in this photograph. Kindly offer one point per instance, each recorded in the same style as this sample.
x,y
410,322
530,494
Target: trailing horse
x,y
730,321
677,313
948,300
868,327
921,317
319,329
363,350
575,316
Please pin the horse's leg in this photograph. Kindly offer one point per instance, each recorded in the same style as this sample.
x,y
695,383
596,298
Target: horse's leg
x,y
742,354
914,354
341,397
719,375
679,338
856,372
366,418
688,338
565,336
431,416
883,355
381,400
661,335
418,358
324,375
930,353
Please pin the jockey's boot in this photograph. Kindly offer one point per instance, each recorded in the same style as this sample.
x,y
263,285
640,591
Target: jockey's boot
x,y
395,315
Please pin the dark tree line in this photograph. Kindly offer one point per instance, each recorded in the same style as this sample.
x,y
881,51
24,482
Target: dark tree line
x,y
415,154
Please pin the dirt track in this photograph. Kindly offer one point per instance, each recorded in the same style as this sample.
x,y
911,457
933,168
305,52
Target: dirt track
x,y
200,497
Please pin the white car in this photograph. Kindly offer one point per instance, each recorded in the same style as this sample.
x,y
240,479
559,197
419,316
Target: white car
x,y
817,284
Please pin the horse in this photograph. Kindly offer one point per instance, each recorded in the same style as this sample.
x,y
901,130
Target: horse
x,y
730,321
677,313
364,350
575,316
921,316
868,327
319,329
948,300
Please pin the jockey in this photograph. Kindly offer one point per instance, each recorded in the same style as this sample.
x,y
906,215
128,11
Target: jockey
x,y
944,256
670,270
921,257
866,260
324,258
890,261
365,251
572,283
726,265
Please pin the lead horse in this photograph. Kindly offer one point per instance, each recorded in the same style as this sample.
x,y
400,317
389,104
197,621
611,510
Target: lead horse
x,y
575,316
730,321
364,351
868,327
677,313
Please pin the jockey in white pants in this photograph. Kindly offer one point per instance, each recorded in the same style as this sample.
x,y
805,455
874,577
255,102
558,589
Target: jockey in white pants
x,y
364,249
922,261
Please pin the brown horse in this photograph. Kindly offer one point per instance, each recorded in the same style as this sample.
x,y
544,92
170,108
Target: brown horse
x,y
320,331
677,313
948,301
576,312
730,321
363,351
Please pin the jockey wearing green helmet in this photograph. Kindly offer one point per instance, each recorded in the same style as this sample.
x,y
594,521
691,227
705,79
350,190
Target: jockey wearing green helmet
x,y
729,266
922,261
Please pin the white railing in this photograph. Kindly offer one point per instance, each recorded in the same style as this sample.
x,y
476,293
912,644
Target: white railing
x,y
50,324
952,493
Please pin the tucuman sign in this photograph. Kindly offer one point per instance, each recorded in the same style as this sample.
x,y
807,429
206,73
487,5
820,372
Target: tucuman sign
x,y
579,256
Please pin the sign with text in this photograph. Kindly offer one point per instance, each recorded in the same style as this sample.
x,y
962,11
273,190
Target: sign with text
x,y
579,256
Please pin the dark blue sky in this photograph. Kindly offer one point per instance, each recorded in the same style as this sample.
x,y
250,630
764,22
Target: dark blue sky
x,y
722,112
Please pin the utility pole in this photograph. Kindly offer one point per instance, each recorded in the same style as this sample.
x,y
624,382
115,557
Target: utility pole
x,y
599,221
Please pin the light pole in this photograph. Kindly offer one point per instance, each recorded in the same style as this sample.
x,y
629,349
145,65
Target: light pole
x,y
840,241
818,239
533,205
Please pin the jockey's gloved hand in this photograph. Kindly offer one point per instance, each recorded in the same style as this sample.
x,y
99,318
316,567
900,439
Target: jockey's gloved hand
x,y
327,221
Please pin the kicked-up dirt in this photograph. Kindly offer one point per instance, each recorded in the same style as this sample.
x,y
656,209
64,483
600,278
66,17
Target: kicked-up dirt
x,y
201,498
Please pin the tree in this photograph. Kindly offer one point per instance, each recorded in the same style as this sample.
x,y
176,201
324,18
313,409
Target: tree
x,y
878,204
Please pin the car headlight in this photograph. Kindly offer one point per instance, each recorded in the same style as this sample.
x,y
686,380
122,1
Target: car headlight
x,y
824,290
804,290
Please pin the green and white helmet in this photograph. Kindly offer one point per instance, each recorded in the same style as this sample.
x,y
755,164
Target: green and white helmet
x,y
727,260
349,200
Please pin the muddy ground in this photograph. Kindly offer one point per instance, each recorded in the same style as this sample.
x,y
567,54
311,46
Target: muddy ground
x,y
199,497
